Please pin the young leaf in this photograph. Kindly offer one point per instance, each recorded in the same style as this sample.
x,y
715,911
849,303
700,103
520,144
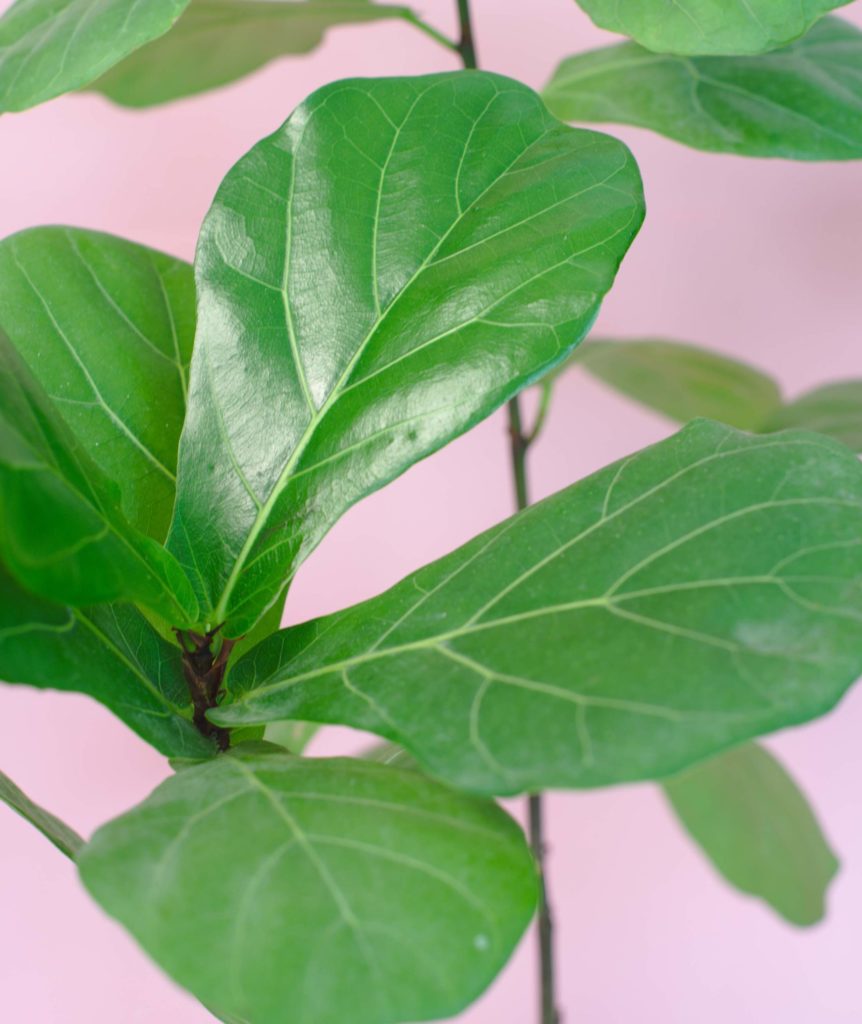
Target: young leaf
x,y
48,47
63,534
803,102
755,825
682,381
709,26
399,259
110,653
281,889
64,838
218,41
106,327
693,595
834,410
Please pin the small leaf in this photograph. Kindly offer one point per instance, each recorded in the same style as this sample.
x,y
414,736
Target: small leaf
x,y
394,263
833,409
63,535
49,47
755,825
803,102
696,594
110,653
707,26
218,41
682,381
64,838
106,327
282,889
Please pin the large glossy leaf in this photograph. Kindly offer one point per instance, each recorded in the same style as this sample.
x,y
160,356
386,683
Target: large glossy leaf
x,y
218,41
755,825
110,653
281,889
699,592
58,832
834,410
64,535
683,381
106,326
389,267
709,26
48,47
803,102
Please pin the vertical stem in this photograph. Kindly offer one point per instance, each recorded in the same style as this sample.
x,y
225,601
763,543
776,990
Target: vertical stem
x,y
519,444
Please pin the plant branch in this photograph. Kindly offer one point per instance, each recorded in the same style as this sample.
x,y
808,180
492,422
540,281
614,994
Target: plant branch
x,y
466,43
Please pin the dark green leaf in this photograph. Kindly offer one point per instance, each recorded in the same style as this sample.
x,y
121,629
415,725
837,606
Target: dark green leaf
x,y
281,889
218,41
63,534
64,838
709,26
106,327
48,47
394,263
834,410
682,381
110,653
755,825
803,102
699,592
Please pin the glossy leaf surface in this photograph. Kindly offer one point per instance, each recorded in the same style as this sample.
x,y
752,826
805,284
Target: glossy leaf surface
x,y
833,409
699,592
383,272
218,41
63,534
682,381
110,653
277,888
709,26
106,326
756,826
803,102
58,832
48,47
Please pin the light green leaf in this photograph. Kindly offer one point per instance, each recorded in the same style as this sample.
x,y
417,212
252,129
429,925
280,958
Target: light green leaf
x,y
48,47
803,102
399,259
709,26
697,593
63,534
64,838
218,41
282,889
834,410
682,381
106,327
294,736
755,825
110,653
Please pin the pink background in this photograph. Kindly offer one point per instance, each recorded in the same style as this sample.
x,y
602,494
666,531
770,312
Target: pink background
x,y
758,259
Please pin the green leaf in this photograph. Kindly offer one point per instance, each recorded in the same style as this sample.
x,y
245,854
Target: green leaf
x,y
389,267
63,535
282,889
106,327
294,736
64,838
110,653
682,381
48,47
803,102
834,410
218,41
697,593
755,825
709,26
